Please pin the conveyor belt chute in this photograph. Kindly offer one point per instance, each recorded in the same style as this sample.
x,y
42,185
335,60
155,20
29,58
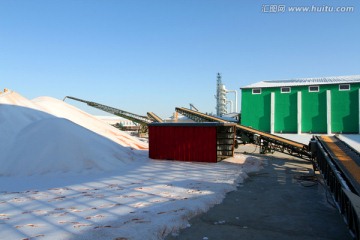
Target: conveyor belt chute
x,y
154,117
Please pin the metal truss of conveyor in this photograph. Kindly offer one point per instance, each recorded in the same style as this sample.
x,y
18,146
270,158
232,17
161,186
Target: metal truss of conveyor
x,y
267,142
154,117
339,164
142,120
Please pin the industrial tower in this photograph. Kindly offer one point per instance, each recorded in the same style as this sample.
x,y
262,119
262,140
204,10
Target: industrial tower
x,y
221,100
220,97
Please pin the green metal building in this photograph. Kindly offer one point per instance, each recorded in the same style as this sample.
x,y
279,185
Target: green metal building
x,y
309,105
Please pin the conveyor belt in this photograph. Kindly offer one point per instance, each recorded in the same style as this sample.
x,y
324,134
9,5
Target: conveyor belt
x,y
346,159
154,117
118,112
142,120
267,141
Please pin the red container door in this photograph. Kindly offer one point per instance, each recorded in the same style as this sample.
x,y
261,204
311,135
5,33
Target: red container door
x,y
184,143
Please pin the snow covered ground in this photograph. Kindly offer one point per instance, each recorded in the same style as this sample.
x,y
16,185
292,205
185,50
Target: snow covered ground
x,y
67,175
143,200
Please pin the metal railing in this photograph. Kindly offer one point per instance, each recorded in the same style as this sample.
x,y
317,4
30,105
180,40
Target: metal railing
x,y
344,194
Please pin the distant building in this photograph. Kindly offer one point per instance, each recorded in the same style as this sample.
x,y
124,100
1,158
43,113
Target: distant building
x,y
309,105
120,122
112,120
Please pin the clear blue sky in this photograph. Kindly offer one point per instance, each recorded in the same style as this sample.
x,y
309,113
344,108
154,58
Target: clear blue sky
x,y
154,55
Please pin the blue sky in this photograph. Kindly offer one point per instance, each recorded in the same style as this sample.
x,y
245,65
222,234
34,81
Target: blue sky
x,y
156,55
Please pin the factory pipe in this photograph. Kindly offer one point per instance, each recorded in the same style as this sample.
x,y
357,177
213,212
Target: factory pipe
x,y
236,98
231,105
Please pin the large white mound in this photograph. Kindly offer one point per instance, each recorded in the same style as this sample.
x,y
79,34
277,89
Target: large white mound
x,y
58,145
34,140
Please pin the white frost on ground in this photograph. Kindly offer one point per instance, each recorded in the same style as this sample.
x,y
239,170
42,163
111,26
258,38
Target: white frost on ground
x,y
352,139
300,138
66,175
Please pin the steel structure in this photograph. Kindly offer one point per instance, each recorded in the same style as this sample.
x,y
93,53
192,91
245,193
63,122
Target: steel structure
x,y
141,120
193,107
267,142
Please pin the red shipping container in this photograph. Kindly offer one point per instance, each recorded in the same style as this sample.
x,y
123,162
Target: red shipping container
x,y
198,142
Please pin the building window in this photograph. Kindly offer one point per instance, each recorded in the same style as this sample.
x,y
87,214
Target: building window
x,y
256,91
285,89
313,88
344,87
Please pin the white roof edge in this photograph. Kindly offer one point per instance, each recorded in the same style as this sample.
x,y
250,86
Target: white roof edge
x,y
305,82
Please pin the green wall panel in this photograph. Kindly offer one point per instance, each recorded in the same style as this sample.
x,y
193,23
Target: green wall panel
x,y
345,109
285,111
314,111
255,109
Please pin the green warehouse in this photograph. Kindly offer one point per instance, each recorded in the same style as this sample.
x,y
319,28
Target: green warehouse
x,y
309,105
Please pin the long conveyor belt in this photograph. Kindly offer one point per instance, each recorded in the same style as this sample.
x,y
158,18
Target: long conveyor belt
x,y
267,142
141,120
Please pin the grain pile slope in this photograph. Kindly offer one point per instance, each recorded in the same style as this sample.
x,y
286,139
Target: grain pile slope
x,y
64,110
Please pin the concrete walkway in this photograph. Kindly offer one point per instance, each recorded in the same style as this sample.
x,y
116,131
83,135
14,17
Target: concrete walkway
x,y
272,204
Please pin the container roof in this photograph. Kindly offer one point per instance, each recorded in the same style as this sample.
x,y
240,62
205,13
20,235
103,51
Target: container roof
x,y
306,82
